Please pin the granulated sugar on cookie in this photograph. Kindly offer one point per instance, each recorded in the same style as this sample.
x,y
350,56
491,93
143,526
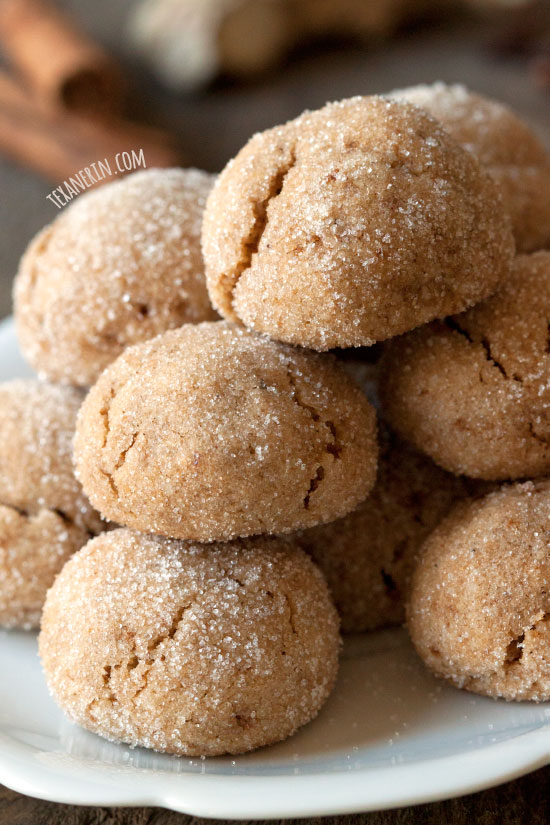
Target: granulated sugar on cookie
x,y
504,145
210,432
121,264
44,515
352,224
473,392
190,649
479,611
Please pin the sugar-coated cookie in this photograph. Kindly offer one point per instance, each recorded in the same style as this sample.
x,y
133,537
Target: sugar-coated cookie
x,y
44,515
473,392
190,649
210,432
479,612
369,555
121,264
352,224
504,145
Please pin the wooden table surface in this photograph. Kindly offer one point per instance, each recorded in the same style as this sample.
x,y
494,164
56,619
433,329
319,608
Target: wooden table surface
x,y
212,128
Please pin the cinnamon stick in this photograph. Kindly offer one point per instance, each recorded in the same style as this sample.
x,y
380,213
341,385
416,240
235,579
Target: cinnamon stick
x,y
59,63
58,145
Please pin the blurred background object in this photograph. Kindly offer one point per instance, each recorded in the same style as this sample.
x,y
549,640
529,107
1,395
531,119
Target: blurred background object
x,y
60,64
61,97
82,79
188,43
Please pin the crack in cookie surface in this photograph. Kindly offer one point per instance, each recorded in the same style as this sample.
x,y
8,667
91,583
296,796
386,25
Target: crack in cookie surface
x,y
484,343
545,442
332,447
251,242
109,472
29,515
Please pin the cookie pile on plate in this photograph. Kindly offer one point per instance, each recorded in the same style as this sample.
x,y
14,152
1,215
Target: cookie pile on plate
x,y
250,501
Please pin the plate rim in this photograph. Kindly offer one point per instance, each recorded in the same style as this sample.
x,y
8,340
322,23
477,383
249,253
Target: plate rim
x,y
244,797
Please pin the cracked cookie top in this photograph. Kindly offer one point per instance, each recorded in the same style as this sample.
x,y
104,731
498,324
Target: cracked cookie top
x,y
121,264
352,224
188,648
44,514
504,145
473,392
479,612
210,432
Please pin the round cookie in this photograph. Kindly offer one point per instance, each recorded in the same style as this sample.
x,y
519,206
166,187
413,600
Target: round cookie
x,y
504,145
480,603
368,556
352,224
190,649
33,549
118,266
473,392
44,515
210,432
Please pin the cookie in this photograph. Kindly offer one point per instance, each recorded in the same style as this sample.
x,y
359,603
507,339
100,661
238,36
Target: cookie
x,y
473,392
44,515
504,145
119,265
187,648
368,556
210,432
479,612
352,224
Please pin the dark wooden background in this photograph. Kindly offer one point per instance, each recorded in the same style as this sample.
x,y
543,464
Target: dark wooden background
x,y
212,128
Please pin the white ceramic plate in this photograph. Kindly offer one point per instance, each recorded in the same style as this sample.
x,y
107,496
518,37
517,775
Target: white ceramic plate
x,y
390,735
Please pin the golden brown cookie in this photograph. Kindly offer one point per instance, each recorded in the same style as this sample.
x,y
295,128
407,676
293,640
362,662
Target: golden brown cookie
x,y
473,392
33,549
479,613
368,556
210,432
352,224
187,648
44,515
119,265
504,145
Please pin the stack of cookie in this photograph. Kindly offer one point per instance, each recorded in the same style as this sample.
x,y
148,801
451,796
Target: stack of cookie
x,y
234,451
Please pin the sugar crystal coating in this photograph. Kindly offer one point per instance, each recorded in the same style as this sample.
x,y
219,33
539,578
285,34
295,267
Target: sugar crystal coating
x,y
479,612
119,265
190,649
504,145
44,514
33,549
210,432
473,392
352,224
